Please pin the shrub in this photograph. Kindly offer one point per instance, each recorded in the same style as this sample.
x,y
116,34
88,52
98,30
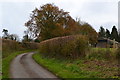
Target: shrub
x,y
69,47
76,48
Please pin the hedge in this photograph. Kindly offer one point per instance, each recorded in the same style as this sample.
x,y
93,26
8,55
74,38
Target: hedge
x,y
69,47
9,46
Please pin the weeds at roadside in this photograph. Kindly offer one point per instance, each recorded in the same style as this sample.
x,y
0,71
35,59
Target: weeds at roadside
x,y
80,68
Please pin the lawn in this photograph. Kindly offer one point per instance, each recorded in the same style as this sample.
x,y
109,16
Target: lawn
x,y
86,68
7,60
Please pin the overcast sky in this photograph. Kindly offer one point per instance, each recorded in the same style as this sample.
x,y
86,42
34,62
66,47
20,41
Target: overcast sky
x,y
14,13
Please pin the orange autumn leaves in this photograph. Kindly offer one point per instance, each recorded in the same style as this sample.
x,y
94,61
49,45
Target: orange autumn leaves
x,y
49,21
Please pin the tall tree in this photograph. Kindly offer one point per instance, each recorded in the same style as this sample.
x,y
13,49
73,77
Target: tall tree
x,y
88,30
114,33
108,34
26,38
46,20
6,35
14,37
101,32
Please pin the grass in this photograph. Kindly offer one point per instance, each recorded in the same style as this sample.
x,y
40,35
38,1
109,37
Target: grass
x,y
7,60
78,68
102,53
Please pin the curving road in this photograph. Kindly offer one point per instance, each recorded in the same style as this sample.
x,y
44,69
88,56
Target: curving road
x,y
23,66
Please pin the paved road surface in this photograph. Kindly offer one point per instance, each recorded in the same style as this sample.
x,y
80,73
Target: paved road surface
x,y
23,66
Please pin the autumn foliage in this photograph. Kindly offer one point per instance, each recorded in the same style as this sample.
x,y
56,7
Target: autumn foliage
x,y
86,29
49,21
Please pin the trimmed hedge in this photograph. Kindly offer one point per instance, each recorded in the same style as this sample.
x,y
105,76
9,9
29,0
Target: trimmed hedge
x,y
10,46
30,45
70,47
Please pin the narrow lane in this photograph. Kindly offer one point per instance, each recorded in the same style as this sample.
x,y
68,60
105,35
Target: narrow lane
x,y
23,66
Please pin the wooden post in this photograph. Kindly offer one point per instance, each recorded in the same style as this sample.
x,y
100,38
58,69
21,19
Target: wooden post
x,y
114,45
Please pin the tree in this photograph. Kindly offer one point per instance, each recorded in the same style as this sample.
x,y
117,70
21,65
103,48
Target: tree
x,y
101,32
10,36
108,34
87,29
26,37
114,33
14,37
5,31
47,22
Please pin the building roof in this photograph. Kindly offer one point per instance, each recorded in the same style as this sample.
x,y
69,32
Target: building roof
x,y
107,40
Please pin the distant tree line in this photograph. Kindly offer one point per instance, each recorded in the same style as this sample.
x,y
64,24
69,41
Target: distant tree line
x,y
15,37
49,21
114,34
6,35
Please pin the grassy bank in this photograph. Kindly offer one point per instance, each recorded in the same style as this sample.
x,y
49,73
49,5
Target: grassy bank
x,y
108,54
7,60
79,68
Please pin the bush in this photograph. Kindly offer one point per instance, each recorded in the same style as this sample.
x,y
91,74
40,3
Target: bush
x,y
76,48
70,47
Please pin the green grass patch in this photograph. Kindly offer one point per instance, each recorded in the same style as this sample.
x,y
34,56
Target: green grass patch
x,y
7,60
78,68
102,54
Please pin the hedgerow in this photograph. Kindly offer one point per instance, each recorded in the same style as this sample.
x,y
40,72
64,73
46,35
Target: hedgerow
x,y
10,46
69,47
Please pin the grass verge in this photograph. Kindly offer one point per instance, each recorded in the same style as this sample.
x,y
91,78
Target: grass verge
x,y
6,62
78,68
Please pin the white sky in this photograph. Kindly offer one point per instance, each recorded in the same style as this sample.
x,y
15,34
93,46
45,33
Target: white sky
x,y
14,13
